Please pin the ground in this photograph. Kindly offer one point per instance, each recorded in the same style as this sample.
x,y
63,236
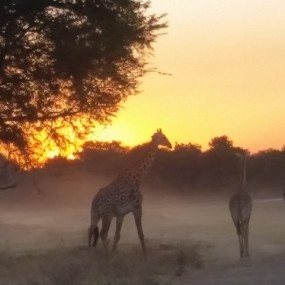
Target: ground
x,y
43,240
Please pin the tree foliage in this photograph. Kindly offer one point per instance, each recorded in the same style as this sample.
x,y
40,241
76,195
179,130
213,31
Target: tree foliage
x,y
64,58
187,168
222,142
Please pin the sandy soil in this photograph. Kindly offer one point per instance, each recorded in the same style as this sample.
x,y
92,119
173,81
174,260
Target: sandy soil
x,y
48,222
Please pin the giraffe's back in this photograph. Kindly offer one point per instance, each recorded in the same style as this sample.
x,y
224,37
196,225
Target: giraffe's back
x,y
240,206
114,201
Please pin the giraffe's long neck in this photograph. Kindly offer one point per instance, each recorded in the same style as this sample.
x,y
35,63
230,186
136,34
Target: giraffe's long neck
x,y
143,166
135,174
243,172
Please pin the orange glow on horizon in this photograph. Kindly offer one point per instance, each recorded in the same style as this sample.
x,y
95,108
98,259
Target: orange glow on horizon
x,y
227,63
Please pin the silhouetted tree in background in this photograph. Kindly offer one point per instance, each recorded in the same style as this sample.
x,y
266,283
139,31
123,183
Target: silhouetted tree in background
x,y
220,164
267,168
187,168
103,157
220,143
180,167
60,59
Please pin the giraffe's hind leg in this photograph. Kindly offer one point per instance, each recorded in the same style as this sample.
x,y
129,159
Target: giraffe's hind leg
x,y
246,235
119,223
241,245
240,237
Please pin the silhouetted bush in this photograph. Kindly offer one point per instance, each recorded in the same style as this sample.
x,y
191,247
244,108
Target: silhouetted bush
x,y
187,167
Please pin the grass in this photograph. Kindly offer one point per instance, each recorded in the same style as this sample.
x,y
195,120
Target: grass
x,y
77,266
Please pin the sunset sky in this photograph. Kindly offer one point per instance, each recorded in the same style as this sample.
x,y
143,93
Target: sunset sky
x,y
227,60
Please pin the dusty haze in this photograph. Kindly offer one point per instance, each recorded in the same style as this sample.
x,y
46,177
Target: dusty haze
x,y
31,223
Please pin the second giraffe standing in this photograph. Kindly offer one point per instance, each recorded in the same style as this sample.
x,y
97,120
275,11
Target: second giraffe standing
x,y
240,206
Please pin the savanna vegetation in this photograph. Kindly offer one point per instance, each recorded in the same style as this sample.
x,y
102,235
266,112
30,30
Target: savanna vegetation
x,y
186,168
73,266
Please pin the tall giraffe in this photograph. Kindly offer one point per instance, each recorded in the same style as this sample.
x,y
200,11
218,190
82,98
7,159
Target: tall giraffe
x,y
240,205
123,196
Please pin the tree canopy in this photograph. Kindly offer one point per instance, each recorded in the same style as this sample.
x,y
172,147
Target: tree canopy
x,y
189,168
60,59
222,142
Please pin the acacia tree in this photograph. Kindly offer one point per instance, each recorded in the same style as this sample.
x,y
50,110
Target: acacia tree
x,y
60,59
221,166
222,142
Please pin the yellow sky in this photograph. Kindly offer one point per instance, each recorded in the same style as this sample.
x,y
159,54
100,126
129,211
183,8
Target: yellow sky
x,y
227,60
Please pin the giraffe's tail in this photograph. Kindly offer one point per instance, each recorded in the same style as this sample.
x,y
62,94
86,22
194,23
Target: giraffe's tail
x,y
93,231
95,236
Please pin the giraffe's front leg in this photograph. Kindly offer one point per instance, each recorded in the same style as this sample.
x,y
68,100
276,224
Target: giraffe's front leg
x,y
138,220
119,223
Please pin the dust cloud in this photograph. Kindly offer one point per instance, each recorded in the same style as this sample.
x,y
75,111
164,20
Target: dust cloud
x,y
60,218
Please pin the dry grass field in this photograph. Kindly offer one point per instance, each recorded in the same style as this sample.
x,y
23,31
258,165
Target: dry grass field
x,y
191,240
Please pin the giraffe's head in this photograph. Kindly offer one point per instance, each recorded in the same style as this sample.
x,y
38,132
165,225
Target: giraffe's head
x,y
242,155
159,138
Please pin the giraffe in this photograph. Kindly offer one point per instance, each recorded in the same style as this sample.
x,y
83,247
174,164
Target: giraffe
x,y
123,196
240,206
